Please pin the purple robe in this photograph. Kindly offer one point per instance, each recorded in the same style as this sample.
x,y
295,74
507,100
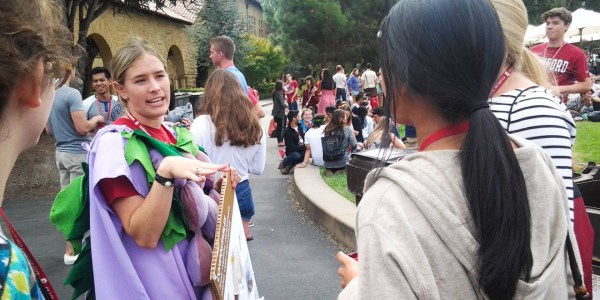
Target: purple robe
x,y
122,269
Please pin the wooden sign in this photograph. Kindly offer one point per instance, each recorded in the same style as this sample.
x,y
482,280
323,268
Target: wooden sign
x,y
231,272
220,257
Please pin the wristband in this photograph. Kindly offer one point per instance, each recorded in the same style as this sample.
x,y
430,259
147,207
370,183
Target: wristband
x,y
166,182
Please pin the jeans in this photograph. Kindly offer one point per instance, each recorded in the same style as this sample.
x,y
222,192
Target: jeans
x,y
410,131
279,130
341,94
243,192
293,158
293,105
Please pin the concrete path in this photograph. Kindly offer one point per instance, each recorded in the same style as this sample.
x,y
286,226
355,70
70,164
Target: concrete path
x,y
292,258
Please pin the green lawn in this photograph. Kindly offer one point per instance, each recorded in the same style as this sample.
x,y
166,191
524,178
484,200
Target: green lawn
x,y
587,148
587,143
338,183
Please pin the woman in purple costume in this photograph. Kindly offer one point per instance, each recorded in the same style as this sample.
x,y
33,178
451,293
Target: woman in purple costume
x,y
131,207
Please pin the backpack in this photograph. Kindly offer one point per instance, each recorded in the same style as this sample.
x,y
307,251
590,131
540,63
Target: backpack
x,y
333,145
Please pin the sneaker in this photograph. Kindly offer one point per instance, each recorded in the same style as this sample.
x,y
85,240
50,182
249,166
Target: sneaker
x,y
69,259
286,170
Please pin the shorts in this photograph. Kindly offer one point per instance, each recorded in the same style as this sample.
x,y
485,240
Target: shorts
x,y
69,166
243,193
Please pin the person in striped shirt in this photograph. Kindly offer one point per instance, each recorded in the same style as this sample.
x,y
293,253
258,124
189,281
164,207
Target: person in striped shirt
x,y
524,105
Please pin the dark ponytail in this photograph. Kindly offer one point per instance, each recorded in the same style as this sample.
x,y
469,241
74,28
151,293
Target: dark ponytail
x,y
467,41
497,198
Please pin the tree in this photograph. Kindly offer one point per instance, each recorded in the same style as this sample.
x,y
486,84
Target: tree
x,y
217,17
318,33
86,11
309,31
262,61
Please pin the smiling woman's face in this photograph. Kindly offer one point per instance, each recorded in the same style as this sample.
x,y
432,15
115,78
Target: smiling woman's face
x,y
146,89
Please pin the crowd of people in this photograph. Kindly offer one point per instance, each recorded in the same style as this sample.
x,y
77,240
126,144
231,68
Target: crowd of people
x,y
345,106
494,136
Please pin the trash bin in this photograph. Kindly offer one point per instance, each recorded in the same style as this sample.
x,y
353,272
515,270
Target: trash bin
x,y
361,163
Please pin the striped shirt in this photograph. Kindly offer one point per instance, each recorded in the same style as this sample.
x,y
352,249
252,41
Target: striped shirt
x,y
540,117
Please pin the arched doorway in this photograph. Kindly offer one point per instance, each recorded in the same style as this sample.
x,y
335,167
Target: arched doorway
x,y
98,55
175,68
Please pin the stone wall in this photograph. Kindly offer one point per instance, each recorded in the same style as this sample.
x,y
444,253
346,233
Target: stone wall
x,y
112,31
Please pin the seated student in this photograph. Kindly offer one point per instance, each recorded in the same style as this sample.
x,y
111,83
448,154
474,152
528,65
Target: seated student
x,y
356,100
305,121
596,101
375,139
353,121
378,116
294,145
366,122
328,113
581,105
373,101
337,126
312,141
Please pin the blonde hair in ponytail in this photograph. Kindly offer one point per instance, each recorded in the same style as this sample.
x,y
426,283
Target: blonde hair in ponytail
x,y
513,18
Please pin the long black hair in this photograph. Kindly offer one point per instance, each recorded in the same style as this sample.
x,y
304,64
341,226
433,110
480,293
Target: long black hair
x,y
327,82
277,88
466,40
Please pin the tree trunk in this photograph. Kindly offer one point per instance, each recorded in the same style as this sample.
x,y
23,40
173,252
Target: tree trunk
x,y
87,14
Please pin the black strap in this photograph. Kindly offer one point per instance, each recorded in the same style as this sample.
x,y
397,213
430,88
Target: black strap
x,y
579,288
509,119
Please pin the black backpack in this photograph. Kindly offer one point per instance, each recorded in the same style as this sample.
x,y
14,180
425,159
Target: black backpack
x,y
333,145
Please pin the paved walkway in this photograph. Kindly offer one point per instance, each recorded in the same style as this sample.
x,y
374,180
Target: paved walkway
x,y
292,258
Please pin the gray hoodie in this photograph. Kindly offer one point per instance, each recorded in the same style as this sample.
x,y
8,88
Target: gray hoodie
x,y
416,240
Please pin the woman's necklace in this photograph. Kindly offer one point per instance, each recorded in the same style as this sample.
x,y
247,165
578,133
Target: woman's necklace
x,y
555,53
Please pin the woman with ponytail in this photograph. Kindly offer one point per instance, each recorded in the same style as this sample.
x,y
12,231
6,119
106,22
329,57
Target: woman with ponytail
x,y
525,108
476,213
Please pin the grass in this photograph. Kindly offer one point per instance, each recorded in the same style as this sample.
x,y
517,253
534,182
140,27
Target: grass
x,y
338,183
586,148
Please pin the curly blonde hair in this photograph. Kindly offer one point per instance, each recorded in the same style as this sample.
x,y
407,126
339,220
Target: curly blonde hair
x,y
29,31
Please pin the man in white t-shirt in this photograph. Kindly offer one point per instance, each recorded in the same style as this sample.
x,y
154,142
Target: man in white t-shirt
x,y
312,141
368,81
340,82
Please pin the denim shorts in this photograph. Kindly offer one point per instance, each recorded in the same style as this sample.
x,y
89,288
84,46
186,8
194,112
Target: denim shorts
x,y
243,193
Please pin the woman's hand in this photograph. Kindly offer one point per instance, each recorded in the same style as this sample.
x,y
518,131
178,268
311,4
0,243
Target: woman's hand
x,y
349,268
185,168
235,178
302,165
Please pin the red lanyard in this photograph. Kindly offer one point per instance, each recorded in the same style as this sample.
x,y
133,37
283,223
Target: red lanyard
x,y
143,128
46,287
501,81
101,111
459,128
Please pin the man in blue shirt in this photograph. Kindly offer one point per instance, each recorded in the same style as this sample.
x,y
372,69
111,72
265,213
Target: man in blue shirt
x,y
222,49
